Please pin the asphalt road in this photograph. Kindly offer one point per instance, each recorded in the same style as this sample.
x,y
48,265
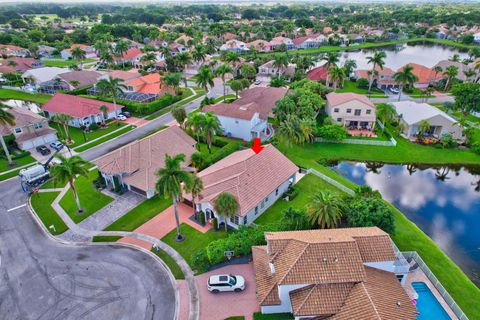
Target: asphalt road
x,y
45,280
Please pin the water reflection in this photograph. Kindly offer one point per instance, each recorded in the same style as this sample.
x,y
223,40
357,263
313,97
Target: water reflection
x,y
444,202
23,104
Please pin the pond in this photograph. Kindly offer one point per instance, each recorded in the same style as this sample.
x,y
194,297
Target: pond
x,y
401,54
444,202
32,106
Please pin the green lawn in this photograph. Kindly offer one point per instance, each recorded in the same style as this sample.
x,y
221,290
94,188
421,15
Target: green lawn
x,y
41,203
194,240
64,63
187,97
275,316
105,138
18,162
40,98
203,148
170,262
227,97
136,217
351,86
91,199
77,136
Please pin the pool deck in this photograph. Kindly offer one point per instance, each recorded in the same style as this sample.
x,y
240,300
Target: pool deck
x,y
419,276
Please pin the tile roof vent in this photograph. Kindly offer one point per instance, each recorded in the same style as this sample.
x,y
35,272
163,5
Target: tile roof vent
x,y
335,259
325,259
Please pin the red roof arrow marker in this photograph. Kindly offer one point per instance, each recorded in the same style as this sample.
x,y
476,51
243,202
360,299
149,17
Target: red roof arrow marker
x,y
257,145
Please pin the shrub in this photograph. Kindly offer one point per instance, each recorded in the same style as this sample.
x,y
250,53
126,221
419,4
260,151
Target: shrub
x,y
291,193
362,83
215,223
93,126
476,147
200,261
447,141
202,218
223,152
332,132
369,212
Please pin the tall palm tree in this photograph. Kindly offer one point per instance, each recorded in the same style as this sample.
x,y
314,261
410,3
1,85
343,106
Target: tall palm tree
x,y
63,119
112,88
450,73
437,70
233,59
280,61
325,209
211,125
169,183
204,78
195,123
378,59
172,80
183,59
337,75
6,119
349,66
386,113
199,53
226,205
331,59
121,47
78,55
104,110
405,77
66,171
222,71
194,187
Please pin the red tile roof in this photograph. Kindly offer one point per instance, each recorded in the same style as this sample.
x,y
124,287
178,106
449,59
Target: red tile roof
x,y
335,99
76,106
424,74
317,74
130,54
23,64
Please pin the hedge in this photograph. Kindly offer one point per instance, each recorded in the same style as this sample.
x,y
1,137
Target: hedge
x,y
226,149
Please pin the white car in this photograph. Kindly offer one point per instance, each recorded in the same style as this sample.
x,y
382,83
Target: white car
x,y
121,117
57,145
225,282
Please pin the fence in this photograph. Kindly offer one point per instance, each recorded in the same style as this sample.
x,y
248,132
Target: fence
x,y
332,181
433,279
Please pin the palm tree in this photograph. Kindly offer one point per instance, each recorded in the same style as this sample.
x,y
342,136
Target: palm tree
x,y
423,127
429,92
226,205
455,58
233,59
199,53
349,66
172,80
437,69
386,113
194,187
211,125
195,122
63,119
169,183
106,58
78,55
198,160
378,59
104,110
148,59
183,59
112,88
6,119
337,75
294,130
66,171
325,209
450,73
280,61
469,74
331,59
121,47
405,77
204,78
222,71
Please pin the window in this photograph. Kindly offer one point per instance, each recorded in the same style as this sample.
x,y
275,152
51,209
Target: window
x,y
245,220
256,210
336,110
369,111
349,110
235,219
339,119
236,121
17,130
37,125
358,112
399,277
266,199
262,204
276,192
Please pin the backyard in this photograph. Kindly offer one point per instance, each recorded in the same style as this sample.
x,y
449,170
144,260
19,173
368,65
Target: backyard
x,y
351,86
40,98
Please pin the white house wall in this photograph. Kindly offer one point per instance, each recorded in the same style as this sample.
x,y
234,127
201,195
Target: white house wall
x,y
236,128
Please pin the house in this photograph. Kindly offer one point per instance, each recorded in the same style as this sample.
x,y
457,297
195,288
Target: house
x,y
84,111
462,68
235,46
132,56
43,74
7,50
256,180
184,39
318,73
351,110
30,130
260,45
412,113
476,38
45,51
267,71
277,42
229,36
247,117
310,41
123,75
20,65
384,79
426,76
150,84
176,48
334,274
134,166
90,52
69,81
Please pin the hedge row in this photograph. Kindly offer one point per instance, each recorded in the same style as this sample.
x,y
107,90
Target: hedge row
x,y
226,149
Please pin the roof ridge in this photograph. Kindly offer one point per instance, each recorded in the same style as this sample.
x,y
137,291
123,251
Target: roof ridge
x,y
306,298
294,262
370,299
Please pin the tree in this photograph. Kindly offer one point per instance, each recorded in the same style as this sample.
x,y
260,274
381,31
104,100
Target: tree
x,y
148,59
121,47
169,183
332,132
295,219
405,77
172,79
226,205
237,86
277,82
198,160
337,75
437,69
378,59
469,74
248,71
194,187
66,171
6,119
63,119
179,113
222,71
295,130
331,59
455,58
325,209
423,128
467,97
210,126
199,53
78,54
386,113
204,78
112,88
280,61
183,59
104,110
349,66
370,212
450,73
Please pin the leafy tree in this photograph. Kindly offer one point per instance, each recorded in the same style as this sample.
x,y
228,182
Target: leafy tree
x,y
204,78
179,114
325,209
277,82
248,71
169,183
295,219
369,212
467,97
226,205
63,119
362,83
210,126
194,187
6,119
237,86
66,171
303,103
112,88
332,132
405,77
447,140
199,160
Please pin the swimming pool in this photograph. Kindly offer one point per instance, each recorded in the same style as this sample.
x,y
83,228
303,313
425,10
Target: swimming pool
x,y
427,304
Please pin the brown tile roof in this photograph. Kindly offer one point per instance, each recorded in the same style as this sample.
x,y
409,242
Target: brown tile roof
x,y
23,118
335,99
77,106
267,289
22,64
256,100
85,78
141,159
424,74
124,75
248,176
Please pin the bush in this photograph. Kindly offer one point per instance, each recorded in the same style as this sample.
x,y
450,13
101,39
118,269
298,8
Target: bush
x,y
369,212
202,218
200,261
80,91
476,147
447,141
93,126
332,132
291,193
143,108
215,223
226,150
362,83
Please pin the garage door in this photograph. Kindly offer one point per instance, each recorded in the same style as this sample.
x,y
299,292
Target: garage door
x,y
38,141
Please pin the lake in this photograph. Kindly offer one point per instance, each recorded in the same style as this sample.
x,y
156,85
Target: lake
x,y
400,54
444,202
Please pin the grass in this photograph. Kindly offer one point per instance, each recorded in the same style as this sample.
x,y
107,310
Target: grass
x,y
105,138
76,134
91,199
64,63
170,262
186,98
42,204
417,93
194,241
18,162
227,97
136,217
235,318
9,175
39,98
275,316
351,86
203,148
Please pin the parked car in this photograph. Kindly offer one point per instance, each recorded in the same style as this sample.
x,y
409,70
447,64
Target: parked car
x,y
394,90
57,145
43,150
126,114
225,283
257,82
121,117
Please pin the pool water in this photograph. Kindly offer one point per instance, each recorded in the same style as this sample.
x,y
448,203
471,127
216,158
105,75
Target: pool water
x,y
427,304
